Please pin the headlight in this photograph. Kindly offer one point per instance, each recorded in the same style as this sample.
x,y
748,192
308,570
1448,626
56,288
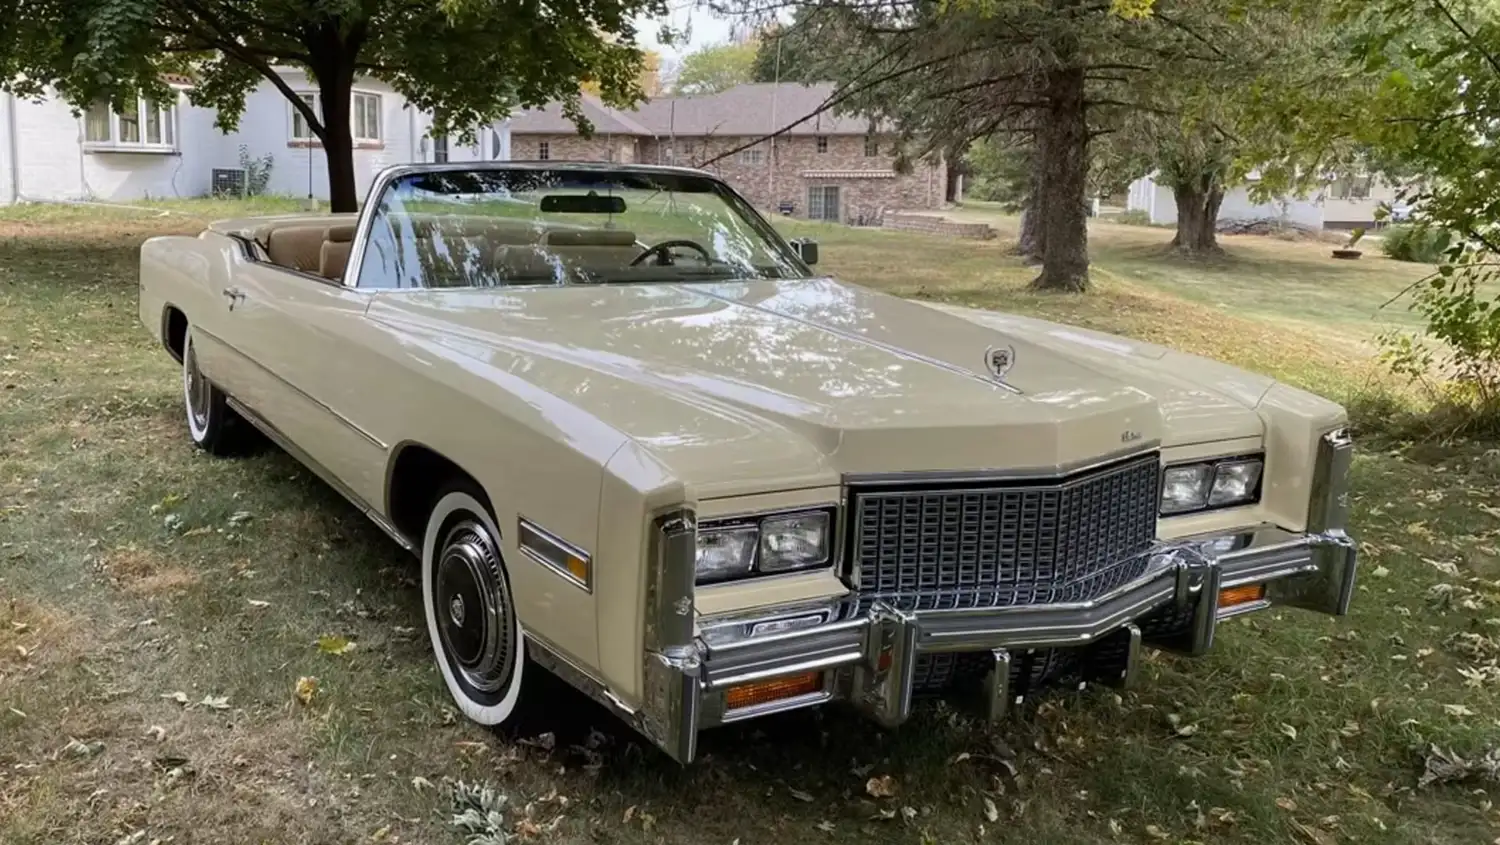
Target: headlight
x,y
1210,484
770,544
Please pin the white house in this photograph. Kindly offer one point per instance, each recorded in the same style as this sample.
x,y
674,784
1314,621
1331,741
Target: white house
x,y
165,150
1343,203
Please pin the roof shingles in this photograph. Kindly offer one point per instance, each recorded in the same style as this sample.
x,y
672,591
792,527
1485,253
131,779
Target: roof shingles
x,y
754,109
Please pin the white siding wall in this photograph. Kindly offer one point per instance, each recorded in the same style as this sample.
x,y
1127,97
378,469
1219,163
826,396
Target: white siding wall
x,y
1157,201
54,166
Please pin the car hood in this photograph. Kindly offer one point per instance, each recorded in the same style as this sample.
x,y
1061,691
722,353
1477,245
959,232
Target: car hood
x,y
764,384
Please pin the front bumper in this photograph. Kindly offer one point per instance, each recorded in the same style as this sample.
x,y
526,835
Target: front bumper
x,y
867,654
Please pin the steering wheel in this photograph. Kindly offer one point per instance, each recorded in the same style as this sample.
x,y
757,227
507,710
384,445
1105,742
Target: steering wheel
x,y
664,249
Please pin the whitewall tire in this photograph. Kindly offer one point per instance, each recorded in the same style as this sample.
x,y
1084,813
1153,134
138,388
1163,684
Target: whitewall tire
x,y
471,616
213,425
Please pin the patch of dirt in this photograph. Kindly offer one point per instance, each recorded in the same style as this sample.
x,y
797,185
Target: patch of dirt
x,y
34,635
145,573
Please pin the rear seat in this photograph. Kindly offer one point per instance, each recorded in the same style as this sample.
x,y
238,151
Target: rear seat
x,y
297,247
334,256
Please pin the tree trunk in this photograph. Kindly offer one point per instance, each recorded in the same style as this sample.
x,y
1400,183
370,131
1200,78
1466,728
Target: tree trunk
x,y
1198,204
1032,246
956,168
1063,147
336,90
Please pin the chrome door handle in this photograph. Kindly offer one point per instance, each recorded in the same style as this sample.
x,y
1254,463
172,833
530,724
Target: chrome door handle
x,y
234,295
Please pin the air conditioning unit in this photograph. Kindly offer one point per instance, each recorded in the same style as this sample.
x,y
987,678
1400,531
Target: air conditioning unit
x,y
227,182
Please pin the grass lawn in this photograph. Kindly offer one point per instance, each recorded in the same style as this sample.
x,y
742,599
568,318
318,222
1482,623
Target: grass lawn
x,y
158,607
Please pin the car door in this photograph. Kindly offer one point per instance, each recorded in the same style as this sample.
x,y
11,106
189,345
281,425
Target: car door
x,y
301,337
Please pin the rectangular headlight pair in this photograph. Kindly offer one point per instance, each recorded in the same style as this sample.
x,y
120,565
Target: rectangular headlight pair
x,y
1206,485
766,545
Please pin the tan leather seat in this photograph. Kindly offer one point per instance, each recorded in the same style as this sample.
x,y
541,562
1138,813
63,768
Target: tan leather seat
x,y
525,264
334,255
297,247
593,249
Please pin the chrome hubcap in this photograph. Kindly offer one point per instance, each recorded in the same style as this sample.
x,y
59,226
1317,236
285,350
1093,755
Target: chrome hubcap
x,y
197,389
474,622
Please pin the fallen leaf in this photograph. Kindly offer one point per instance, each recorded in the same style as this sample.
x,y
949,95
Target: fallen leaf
x,y
1379,572
20,713
1443,766
305,688
259,603
1288,730
420,783
179,697
629,814
801,796
215,702
909,813
1287,804
157,732
1157,833
881,787
240,517
990,811
334,644
1457,710
825,826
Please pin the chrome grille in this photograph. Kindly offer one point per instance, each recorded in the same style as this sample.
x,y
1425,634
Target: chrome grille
x,y
992,544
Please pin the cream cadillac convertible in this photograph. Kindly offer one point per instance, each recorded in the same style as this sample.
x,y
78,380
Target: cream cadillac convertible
x,y
639,443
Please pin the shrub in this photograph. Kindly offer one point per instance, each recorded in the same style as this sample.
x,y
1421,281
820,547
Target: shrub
x,y
1415,243
1134,217
257,171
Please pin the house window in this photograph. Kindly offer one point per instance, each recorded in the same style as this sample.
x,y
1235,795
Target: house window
x,y
1351,188
366,117
543,151
138,124
494,144
872,147
823,202
754,156
822,143
301,131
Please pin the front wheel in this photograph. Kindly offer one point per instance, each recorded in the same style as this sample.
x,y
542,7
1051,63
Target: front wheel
x,y
471,617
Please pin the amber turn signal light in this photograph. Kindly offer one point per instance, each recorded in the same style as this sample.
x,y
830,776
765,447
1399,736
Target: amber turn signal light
x,y
776,689
1233,596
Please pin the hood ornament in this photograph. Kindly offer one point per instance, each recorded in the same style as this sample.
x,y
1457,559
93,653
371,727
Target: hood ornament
x,y
999,359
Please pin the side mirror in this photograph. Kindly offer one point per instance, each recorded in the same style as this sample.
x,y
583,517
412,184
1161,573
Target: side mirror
x,y
807,250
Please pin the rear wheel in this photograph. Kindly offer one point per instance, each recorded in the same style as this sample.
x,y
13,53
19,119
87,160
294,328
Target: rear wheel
x,y
213,425
471,616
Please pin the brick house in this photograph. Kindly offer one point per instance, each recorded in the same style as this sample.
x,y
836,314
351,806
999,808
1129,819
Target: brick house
x,y
830,167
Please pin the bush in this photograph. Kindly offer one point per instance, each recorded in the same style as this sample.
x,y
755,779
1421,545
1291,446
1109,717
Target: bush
x,y
1415,243
1134,217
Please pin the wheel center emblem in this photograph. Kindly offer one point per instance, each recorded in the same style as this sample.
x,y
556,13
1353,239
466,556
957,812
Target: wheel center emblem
x,y
456,610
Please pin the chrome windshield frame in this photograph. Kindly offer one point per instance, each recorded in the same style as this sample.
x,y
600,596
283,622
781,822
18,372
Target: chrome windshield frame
x,y
390,175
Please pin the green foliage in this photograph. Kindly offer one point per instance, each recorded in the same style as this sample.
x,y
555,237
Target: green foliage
x,y
1134,217
1355,236
257,171
1422,244
716,68
468,61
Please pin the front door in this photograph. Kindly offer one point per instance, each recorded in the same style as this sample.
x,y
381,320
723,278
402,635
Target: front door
x,y
301,337
823,203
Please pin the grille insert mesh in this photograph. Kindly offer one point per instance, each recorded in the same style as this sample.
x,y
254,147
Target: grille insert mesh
x,y
996,544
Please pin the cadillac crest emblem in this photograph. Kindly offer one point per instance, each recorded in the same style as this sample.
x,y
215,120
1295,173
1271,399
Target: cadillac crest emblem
x,y
999,359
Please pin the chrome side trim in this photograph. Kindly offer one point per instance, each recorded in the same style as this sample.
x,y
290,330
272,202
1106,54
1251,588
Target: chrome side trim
x,y
551,658
553,552
274,434
347,423
1054,472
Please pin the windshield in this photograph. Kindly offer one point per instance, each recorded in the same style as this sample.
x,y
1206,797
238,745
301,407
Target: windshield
x,y
522,226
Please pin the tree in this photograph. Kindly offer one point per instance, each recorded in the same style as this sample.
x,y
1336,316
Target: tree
x,y
1054,72
716,68
468,61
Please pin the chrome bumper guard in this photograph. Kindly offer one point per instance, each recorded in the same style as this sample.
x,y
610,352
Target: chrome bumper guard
x,y
867,656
